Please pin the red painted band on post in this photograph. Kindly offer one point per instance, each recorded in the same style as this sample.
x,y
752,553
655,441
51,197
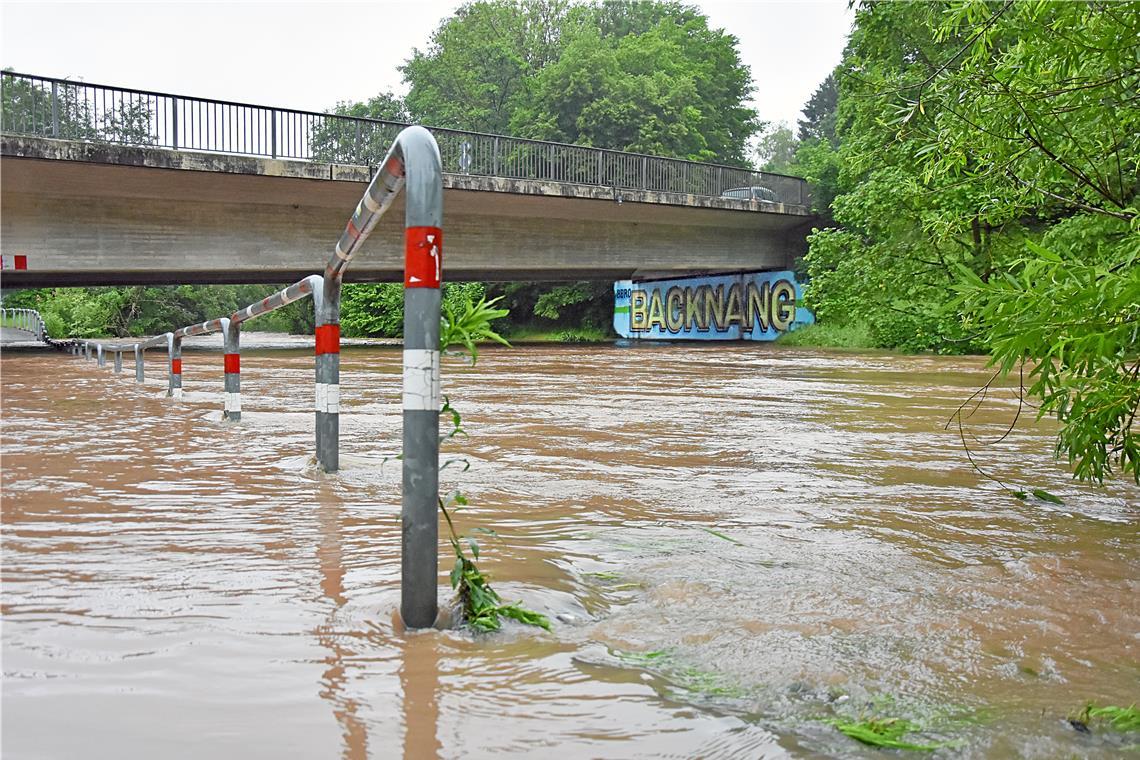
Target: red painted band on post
x,y
232,363
395,167
21,261
423,257
176,366
328,339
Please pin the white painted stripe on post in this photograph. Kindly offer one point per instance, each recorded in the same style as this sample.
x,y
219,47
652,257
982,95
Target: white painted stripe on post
x,y
328,398
421,379
233,402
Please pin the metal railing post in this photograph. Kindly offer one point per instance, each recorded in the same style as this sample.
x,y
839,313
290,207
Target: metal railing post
x,y
414,162
174,365
273,132
55,109
174,123
326,311
100,357
495,158
140,357
423,270
231,332
87,350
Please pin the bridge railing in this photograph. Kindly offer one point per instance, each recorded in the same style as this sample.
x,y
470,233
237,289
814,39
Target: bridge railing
x,y
65,109
28,320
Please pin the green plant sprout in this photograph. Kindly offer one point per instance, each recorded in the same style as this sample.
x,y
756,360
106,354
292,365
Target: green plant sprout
x,y
883,732
480,606
1117,718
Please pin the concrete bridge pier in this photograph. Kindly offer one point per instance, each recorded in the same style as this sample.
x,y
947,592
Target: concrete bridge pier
x,y
231,332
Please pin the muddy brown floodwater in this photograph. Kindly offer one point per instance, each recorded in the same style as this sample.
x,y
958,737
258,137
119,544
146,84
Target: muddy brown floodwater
x,y
737,544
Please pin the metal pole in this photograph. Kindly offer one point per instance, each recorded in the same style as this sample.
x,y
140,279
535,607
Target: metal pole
x,y
55,109
118,361
140,356
231,332
87,350
326,310
423,268
100,358
174,123
273,131
174,361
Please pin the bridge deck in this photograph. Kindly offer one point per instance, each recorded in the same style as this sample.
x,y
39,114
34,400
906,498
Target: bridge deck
x,y
87,213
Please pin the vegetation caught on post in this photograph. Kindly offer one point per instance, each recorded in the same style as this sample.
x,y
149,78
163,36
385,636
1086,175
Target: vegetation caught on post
x,y
1117,718
465,324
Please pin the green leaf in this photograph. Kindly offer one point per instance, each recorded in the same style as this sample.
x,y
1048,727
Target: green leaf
x,y
1044,495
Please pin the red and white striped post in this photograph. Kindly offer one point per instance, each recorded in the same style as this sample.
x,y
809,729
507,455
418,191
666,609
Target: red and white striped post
x,y
326,307
175,349
375,201
174,365
231,334
413,161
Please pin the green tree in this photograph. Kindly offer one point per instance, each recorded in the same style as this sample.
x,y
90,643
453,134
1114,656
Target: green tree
x,y
986,196
820,113
141,310
675,89
1038,112
475,69
360,142
888,263
776,149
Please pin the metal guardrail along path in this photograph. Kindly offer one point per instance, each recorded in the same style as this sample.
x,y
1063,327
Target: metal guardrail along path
x,y
412,163
65,109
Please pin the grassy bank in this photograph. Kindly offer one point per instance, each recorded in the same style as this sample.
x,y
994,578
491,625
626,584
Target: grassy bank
x,y
829,336
535,334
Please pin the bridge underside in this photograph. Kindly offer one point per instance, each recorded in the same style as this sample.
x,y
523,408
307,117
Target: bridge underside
x,y
248,220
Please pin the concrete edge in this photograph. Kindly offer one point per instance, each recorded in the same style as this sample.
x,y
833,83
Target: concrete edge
x,y
42,148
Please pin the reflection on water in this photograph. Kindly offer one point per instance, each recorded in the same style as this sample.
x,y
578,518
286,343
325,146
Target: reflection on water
x,y
738,543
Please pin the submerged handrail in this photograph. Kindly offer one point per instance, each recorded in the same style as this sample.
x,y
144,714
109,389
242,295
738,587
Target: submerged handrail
x,y
412,164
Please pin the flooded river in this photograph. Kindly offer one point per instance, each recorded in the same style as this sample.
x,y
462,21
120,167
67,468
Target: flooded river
x,y
738,546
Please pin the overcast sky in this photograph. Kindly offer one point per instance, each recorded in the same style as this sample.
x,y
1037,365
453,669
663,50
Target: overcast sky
x,y
312,55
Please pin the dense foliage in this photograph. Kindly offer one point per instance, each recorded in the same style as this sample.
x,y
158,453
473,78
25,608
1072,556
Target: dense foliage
x,y
983,191
139,310
650,77
642,76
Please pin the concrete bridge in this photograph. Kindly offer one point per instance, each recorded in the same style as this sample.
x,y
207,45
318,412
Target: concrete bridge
x,y
186,190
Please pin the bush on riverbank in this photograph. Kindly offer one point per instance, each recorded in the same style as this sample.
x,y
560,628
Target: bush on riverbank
x,y
829,335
